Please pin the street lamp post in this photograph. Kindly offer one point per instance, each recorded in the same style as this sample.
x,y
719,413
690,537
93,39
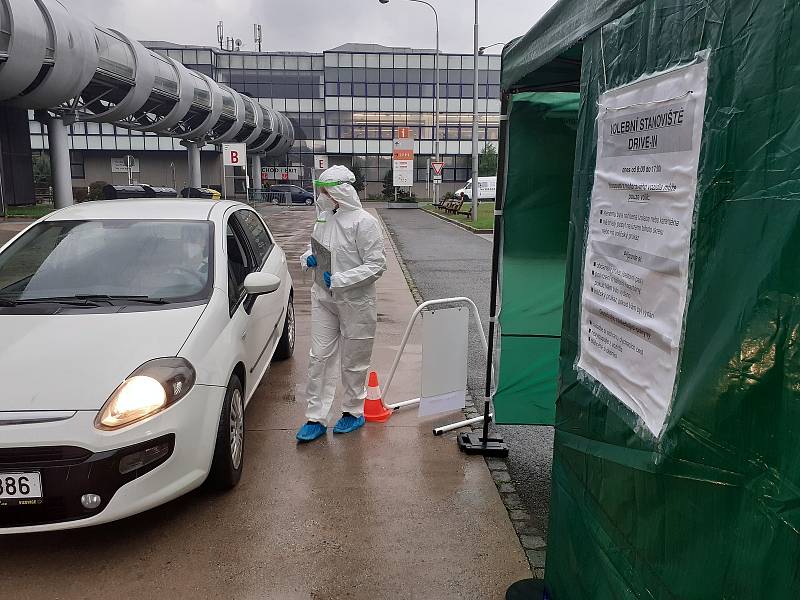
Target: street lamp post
x,y
475,186
481,51
436,101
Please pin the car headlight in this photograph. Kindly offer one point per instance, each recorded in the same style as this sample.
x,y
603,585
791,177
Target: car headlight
x,y
150,389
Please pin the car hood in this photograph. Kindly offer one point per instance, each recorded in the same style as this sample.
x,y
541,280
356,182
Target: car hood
x,y
75,361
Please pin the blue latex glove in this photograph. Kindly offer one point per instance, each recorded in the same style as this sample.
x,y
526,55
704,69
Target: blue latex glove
x,y
311,261
327,277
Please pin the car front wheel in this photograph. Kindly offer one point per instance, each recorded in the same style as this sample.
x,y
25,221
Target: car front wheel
x,y
285,347
309,201
226,467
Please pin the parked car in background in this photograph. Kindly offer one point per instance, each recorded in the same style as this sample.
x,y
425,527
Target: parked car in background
x,y
299,195
487,189
134,333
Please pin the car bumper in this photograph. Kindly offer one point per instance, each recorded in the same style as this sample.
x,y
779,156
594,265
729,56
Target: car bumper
x,y
74,458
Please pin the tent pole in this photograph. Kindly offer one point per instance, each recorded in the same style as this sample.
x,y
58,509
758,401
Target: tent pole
x,y
502,168
470,442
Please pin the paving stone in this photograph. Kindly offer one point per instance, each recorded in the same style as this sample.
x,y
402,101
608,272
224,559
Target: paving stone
x,y
532,542
506,488
501,476
497,464
513,501
519,515
538,574
536,558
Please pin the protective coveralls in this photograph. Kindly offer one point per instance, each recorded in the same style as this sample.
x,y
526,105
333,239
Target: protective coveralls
x,y
344,317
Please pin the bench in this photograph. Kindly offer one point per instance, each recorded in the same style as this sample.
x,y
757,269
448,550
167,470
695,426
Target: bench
x,y
455,207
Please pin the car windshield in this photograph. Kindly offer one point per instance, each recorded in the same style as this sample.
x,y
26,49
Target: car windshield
x,y
127,261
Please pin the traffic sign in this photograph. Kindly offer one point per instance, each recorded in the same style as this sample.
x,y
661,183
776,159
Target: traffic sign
x,y
437,179
437,168
234,155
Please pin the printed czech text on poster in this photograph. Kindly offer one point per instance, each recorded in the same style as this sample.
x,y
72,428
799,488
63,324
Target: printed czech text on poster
x,y
636,267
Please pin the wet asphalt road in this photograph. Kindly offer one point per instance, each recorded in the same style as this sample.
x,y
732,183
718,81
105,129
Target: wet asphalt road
x,y
446,261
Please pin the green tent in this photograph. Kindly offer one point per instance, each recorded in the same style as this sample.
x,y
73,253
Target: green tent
x,y
707,503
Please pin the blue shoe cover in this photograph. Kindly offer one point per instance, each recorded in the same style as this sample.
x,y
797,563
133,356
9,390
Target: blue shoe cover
x,y
311,431
348,423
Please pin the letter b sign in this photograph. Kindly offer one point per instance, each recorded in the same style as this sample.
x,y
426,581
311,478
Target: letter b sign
x,y
234,155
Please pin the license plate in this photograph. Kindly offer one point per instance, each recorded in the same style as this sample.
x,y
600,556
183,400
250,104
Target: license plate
x,y
20,488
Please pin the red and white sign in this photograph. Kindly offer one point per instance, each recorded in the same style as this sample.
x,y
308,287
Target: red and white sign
x,y
280,173
437,167
234,155
403,158
320,162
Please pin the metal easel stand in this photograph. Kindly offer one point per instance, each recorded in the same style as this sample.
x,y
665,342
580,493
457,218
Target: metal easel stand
x,y
491,447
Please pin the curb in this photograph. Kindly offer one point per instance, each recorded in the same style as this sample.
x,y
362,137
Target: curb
x,y
412,286
532,540
457,224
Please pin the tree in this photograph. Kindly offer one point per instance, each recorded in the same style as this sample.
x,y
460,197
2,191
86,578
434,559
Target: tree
x,y
41,169
359,173
388,185
487,161
388,188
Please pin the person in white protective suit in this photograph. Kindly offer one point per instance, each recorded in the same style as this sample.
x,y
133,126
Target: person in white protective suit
x,y
343,311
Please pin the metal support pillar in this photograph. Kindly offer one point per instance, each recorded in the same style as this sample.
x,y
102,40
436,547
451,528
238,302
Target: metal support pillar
x,y
195,173
256,171
59,162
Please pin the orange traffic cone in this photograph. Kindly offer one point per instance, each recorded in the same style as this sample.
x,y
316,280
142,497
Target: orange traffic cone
x,y
374,410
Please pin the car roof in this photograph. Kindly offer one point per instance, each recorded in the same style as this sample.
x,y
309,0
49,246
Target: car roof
x,y
169,209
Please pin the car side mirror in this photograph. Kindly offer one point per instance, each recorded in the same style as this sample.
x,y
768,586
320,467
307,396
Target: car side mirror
x,y
258,284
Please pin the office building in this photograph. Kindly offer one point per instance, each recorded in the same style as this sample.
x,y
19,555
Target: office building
x,y
345,103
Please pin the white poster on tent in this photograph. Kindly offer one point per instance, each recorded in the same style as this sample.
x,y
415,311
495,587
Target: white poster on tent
x,y
444,361
636,267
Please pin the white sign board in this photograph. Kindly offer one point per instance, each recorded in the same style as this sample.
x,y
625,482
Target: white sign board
x,y
403,173
120,165
403,158
444,361
281,173
636,266
320,162
234,155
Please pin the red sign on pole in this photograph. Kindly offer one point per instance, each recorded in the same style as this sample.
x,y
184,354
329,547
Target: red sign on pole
x,y
437,167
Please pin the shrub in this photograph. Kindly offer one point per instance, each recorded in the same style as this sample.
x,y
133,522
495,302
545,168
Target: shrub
x,y
81,194
96,190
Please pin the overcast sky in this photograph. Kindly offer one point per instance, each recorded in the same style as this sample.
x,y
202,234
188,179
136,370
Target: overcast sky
x,y
316,25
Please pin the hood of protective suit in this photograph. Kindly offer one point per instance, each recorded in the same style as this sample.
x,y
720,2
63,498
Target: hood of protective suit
x,y
338,182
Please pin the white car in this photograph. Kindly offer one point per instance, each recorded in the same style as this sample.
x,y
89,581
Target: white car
x,y
134,332
487,189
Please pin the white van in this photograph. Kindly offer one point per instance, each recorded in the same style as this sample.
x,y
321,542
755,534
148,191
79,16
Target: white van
x,y
487,189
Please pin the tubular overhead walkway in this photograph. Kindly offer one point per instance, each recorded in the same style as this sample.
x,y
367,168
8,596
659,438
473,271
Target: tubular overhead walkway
x,y
54,60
